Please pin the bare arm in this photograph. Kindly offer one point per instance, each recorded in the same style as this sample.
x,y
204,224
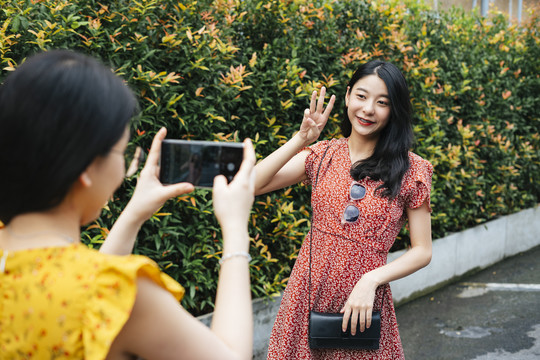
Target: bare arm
x,y
233,318
360,303
159,328
286,165
148,197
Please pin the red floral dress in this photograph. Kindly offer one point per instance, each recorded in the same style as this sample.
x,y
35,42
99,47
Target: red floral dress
x,y
342,253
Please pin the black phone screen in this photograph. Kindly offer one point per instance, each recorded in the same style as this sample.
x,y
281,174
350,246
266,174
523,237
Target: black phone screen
x,y
198,162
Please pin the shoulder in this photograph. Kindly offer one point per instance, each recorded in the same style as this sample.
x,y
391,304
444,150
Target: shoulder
x,y
420,173
130,267
112,292
316,153
416,184
419,164
319,148
115,276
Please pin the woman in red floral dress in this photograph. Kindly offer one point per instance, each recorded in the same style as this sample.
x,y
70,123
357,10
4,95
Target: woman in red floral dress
x,y
365,186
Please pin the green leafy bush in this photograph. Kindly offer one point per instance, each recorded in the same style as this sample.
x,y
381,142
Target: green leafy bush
x,y
226,70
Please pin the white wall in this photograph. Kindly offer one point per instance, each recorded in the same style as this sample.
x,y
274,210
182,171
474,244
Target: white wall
x,y
472,249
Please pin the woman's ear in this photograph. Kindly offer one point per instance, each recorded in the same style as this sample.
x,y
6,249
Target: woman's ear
x,y
347,96
85,179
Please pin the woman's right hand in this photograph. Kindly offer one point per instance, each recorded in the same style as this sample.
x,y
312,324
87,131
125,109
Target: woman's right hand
x,y
233,201
286,165
149,195
315,117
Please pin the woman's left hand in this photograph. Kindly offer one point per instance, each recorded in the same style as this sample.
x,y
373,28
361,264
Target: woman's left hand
x,y
359,305
150,194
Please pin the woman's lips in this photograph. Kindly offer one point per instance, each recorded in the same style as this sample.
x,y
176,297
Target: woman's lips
x,y
365,122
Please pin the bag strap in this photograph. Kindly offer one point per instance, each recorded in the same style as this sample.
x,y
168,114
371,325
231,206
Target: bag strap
x,y
311,232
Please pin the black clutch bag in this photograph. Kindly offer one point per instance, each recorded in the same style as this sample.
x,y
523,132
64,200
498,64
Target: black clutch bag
x,y
325,332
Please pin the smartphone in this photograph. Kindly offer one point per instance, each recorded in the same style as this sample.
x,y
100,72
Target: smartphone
x,y
199,162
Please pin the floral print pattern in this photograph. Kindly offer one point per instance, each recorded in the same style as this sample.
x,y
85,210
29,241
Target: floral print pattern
x,y
68,302
342,252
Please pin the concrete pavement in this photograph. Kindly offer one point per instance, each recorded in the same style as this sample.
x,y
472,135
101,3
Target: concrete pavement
x,y
491,314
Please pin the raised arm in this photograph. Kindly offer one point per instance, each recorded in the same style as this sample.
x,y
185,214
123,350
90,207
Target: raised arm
x,y
232,320
148,197
286,165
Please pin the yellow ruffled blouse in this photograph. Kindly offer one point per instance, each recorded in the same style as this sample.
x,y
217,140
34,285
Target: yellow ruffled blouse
x,y
68,302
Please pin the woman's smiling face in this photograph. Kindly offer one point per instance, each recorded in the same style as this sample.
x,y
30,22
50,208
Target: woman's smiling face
x,y
368,106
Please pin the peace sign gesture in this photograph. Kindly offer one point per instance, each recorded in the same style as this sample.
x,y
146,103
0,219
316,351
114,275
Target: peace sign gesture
x,y
316,116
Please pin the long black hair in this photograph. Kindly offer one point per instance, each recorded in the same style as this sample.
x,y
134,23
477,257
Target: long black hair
x,y
58,112
390,159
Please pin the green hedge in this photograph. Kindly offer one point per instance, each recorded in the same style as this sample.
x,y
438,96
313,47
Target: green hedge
x,y
225,70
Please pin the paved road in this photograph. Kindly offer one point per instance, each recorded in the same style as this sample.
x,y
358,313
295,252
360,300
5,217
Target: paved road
x,y
492,314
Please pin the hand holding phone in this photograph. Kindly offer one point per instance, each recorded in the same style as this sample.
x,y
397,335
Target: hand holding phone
x,y
232,200
148,197
150,194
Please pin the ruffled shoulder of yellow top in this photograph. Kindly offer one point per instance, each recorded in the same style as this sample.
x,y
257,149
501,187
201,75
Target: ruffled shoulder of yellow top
x,y
69,302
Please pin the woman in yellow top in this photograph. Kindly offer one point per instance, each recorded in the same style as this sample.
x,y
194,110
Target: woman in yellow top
x,y
63,131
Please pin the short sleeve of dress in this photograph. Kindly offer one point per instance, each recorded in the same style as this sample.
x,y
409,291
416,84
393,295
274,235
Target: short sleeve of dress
x,y
313,159
418,182
114,291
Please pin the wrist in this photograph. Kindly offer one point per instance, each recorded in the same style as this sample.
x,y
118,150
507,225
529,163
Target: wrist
x,y
234,229
235,242
231,255
372,279
132,217
300,141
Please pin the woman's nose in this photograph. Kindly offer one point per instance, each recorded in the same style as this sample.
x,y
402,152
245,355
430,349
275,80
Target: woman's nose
x,y
368,107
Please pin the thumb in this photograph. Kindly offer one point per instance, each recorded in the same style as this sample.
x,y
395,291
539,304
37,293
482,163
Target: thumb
x,y
178,189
